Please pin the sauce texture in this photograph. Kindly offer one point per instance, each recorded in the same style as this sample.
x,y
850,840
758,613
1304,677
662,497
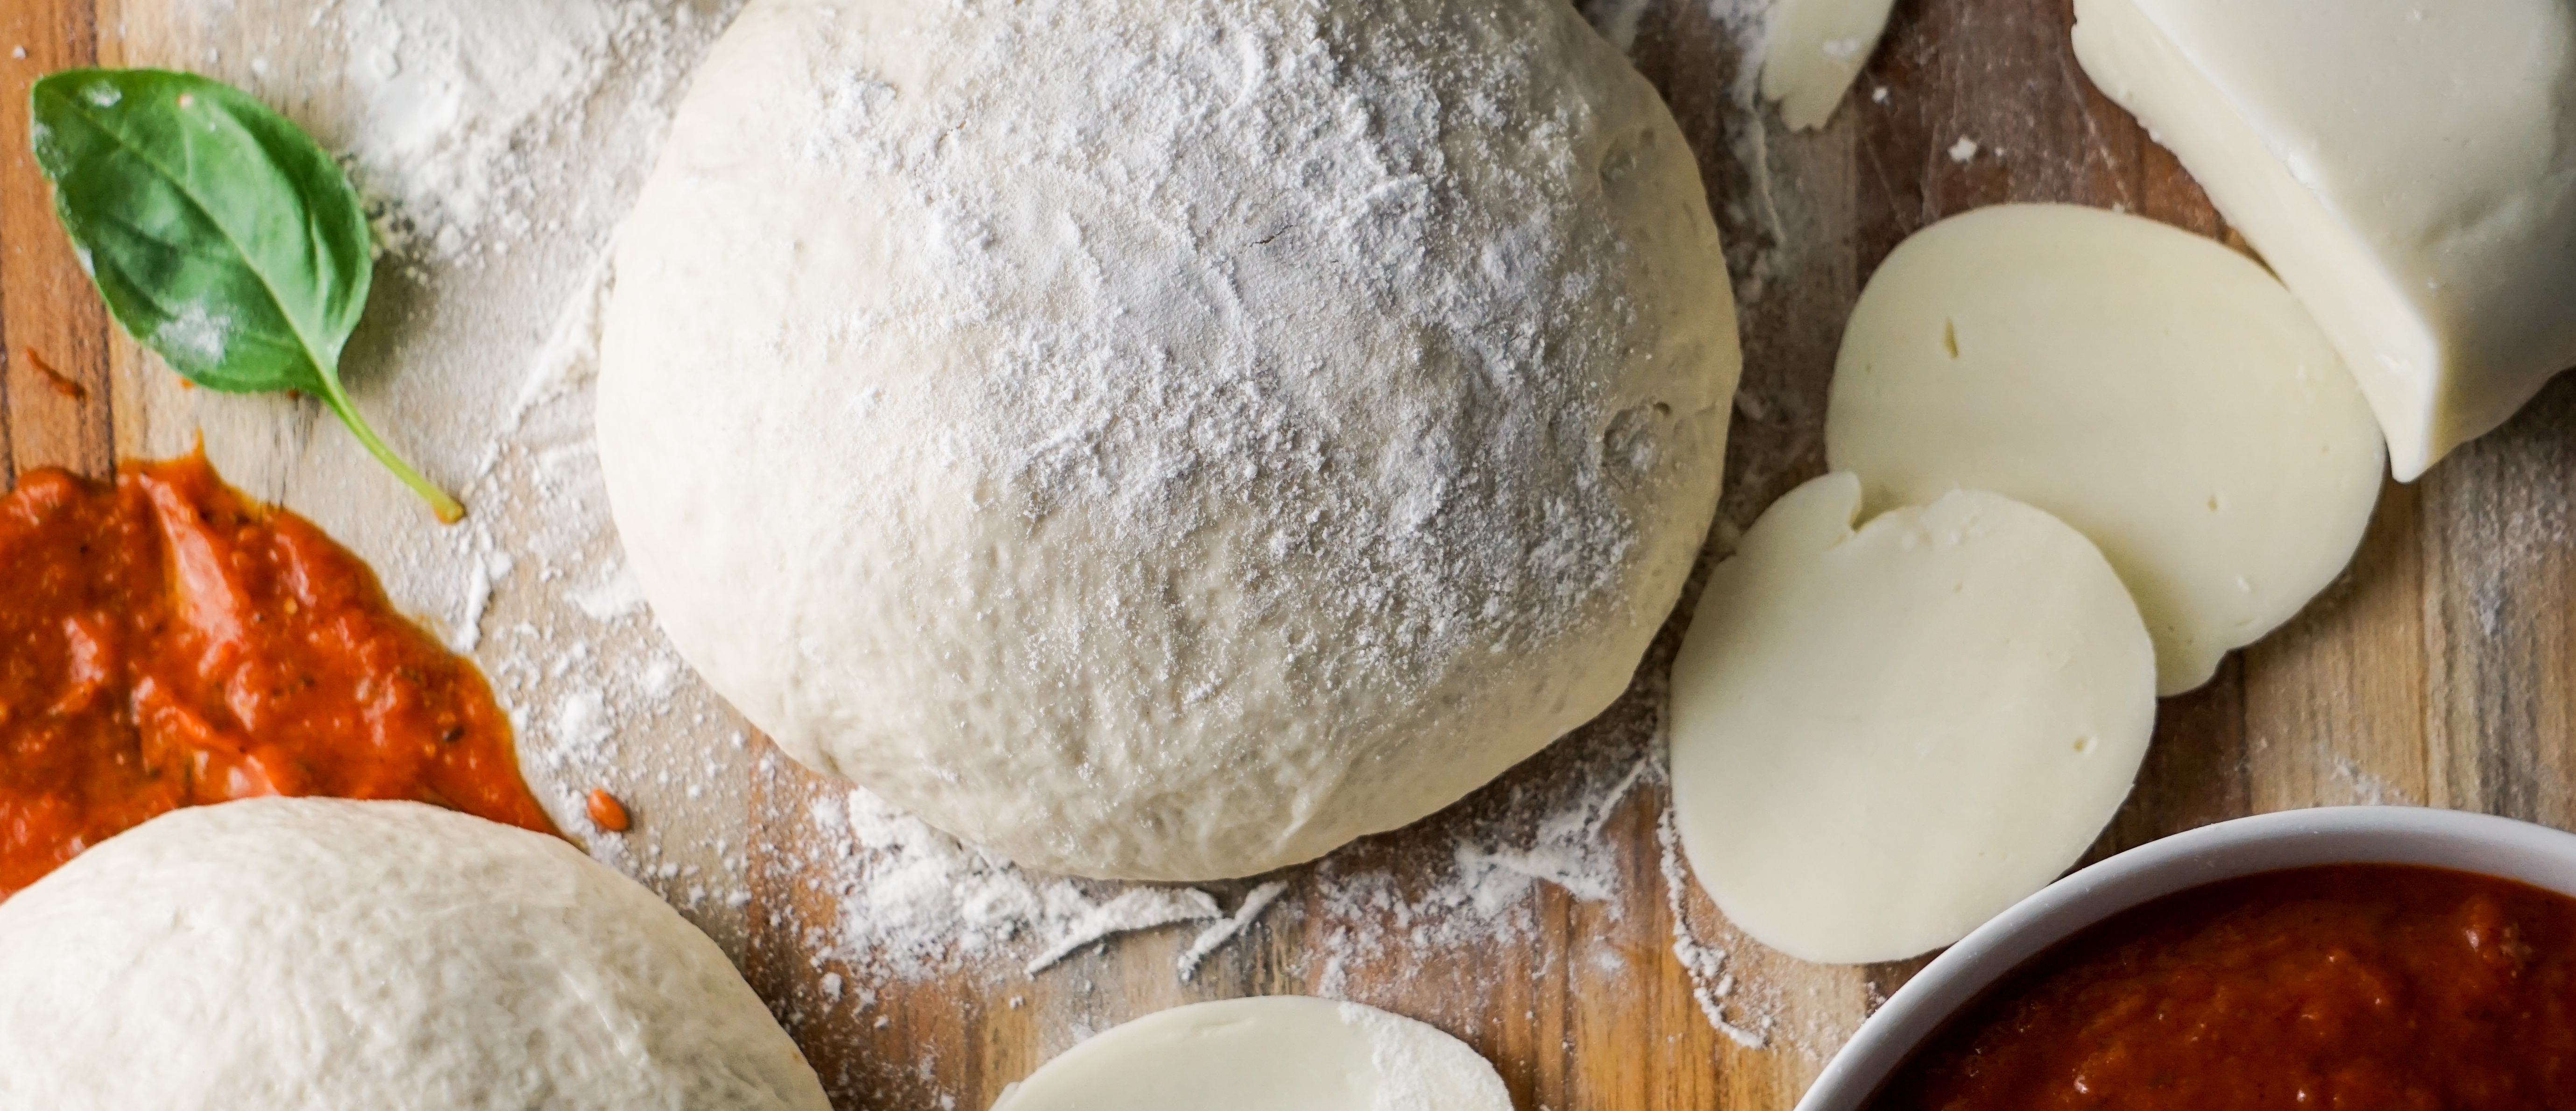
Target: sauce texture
x,y
167,642
2350,987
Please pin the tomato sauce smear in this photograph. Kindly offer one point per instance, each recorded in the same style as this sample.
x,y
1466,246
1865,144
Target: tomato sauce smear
x,y
2336,988
167,642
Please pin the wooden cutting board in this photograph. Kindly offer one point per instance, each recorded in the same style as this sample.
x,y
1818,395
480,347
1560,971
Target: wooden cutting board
x,y
2437,672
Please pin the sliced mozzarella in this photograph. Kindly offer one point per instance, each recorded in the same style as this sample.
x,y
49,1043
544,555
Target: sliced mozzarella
x,y
1882,738
1813,49
1279,1053
2407,166
2152,388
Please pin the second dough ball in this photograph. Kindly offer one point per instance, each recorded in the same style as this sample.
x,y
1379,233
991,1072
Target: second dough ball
x,y
1167,440
308,954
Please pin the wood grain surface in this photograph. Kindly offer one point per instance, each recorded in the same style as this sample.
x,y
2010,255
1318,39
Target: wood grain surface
x,y
2435,673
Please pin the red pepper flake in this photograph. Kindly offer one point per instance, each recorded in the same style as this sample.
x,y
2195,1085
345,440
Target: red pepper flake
x,y
606,812
62,383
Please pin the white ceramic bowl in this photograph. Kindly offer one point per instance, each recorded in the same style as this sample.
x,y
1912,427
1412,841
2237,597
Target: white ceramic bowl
x,y
2536,855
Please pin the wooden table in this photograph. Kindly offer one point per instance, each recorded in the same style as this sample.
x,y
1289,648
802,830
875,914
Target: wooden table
x,y
2435,673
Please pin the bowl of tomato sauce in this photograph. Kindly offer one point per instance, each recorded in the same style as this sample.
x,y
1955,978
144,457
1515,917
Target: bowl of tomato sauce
x,y
2354,958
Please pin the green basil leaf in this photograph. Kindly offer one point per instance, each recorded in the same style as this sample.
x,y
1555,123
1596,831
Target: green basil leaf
x,y
219,233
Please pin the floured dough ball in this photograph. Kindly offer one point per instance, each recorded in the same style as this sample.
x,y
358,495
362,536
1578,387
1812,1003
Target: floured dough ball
x,y
1166,441
1883,734
1277,1053
321,955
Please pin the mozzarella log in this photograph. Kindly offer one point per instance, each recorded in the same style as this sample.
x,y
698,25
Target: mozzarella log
x,y
2407,166
1883,737
2152,388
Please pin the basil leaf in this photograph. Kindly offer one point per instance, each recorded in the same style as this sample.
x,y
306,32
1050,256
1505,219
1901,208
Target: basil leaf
x,y
219,233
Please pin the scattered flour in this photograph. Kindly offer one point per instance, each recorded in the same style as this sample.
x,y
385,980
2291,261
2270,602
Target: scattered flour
x,y
1137,908
581,721
195,333
1214,937
1844,50
1569,852
611,598
1710,982
909,904
455,130
1756,226
2367,789
915,902
466,632
1541,831
1963,151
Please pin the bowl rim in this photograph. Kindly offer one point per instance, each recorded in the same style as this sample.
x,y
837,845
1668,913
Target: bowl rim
x,y
2461,840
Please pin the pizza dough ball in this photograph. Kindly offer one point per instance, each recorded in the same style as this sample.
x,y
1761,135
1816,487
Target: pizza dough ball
x,y
1276,1053
1166,441
1883,736
2157,391
321,954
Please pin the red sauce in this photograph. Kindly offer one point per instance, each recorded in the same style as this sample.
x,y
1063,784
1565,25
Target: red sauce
x,y
2354,988
166,642
606,812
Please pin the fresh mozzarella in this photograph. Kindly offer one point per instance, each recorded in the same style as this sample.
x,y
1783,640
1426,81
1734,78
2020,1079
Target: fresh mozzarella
x,y
1278,1053
2407,166
1813,49
2152,388
1882,738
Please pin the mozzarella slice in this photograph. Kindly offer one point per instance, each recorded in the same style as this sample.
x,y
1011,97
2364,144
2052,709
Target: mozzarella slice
x,y
2152,388
2407,166
1279,1053
1882,738
1812,51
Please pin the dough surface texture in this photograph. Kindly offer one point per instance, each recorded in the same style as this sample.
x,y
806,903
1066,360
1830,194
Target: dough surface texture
x,y
2152,388
1166,441
1883,736
323,955
1274,1053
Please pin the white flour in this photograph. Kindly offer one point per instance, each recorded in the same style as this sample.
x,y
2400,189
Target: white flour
x,y
1215,937
915,902
1711,984
461,99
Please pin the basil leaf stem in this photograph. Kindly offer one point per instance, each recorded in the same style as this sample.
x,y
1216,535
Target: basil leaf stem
x,y
219,233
